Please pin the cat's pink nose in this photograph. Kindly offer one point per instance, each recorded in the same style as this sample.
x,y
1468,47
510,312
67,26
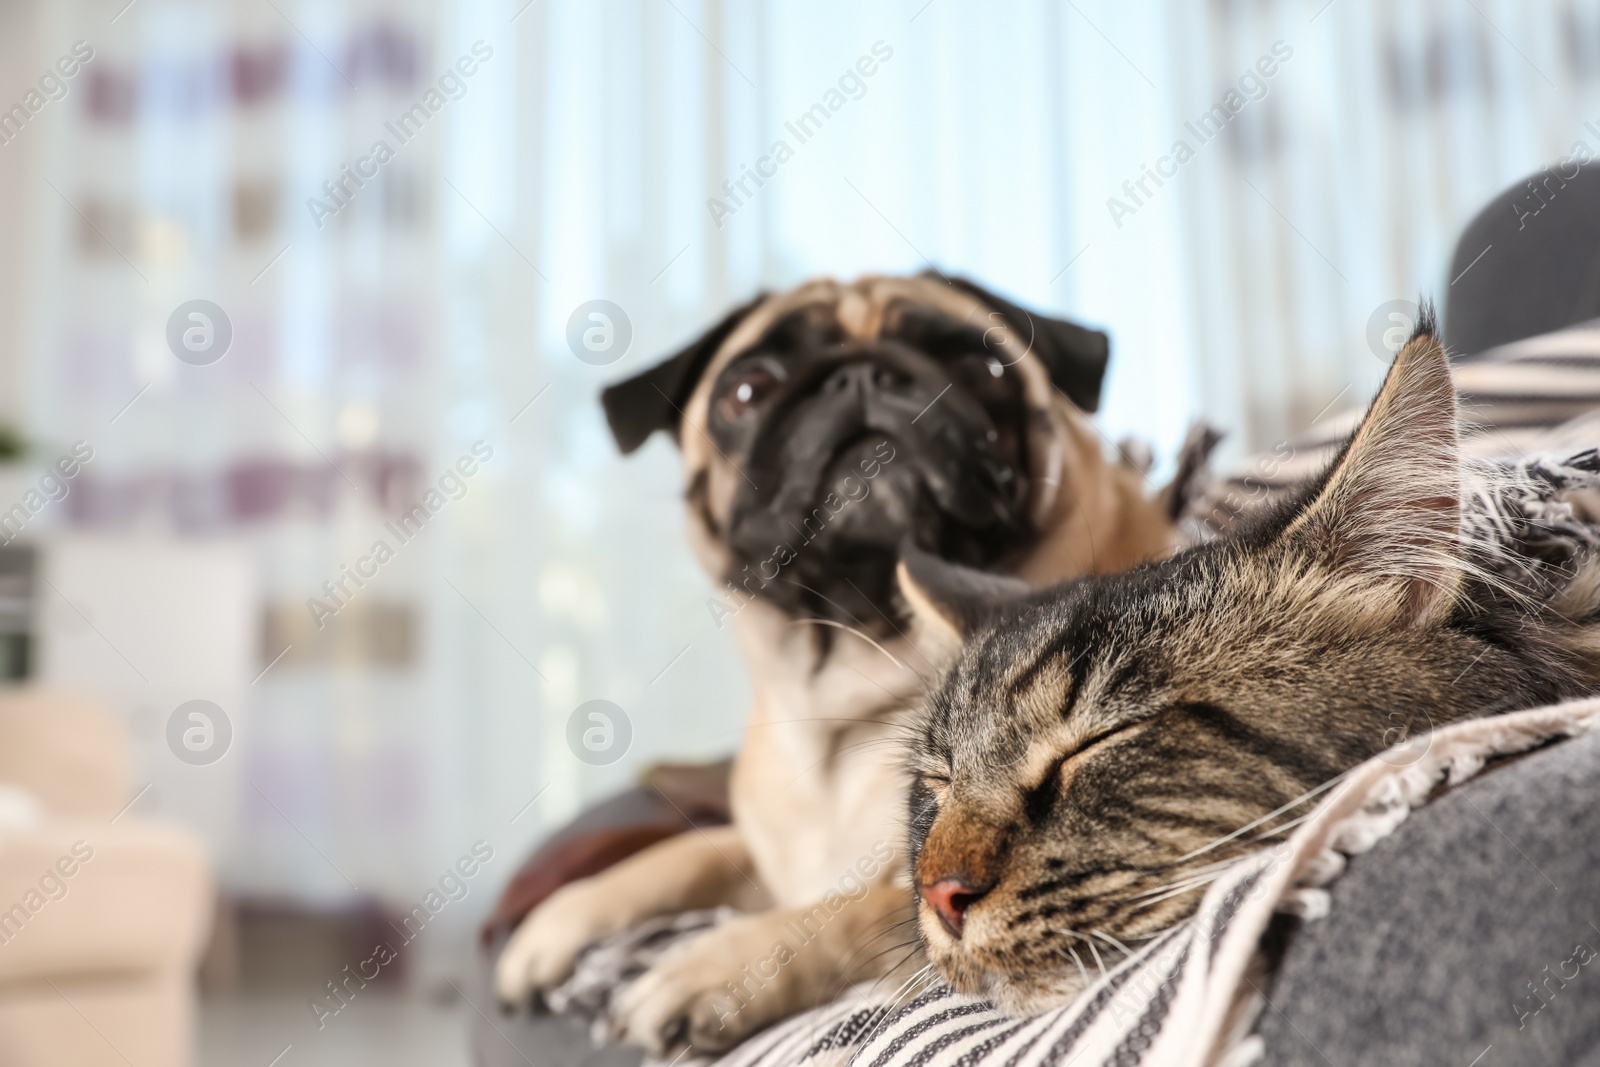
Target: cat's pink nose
x,y
950,898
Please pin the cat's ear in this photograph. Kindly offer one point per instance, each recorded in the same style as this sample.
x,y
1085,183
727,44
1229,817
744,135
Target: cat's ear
x,y
1389,509
948,602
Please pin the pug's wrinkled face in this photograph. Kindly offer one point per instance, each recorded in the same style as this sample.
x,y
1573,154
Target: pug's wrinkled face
x,y
826,428
850,447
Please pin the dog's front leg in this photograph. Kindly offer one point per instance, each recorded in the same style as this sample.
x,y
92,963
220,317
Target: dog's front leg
x,y
698,869
716,990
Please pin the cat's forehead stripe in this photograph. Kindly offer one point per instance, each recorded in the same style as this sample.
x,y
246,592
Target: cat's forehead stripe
x,y
1041,691
1059,668
999,667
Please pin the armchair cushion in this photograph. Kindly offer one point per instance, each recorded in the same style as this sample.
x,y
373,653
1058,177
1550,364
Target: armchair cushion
x,y
67,749
82,898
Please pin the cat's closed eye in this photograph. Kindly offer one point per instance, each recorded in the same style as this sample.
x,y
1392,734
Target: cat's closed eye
x,y
1074,760
1108,734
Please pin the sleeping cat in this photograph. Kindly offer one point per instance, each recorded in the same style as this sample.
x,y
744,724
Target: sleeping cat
x,y
1097,749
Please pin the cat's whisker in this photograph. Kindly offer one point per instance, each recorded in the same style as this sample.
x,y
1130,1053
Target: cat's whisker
x,y
887,930
906,990
1178,892
1214,866
1098,962
857,631
909,982
907,637
914,944
892,742
887,973
1268,817
1102,935
1189,879
915,976
1093,950
1180,885
1083,972
1276,830
911,733
843,610
1201,875
1197,876
877,683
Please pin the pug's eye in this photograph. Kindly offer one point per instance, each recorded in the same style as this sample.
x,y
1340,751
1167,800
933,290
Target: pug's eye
x,y
987,373
745,389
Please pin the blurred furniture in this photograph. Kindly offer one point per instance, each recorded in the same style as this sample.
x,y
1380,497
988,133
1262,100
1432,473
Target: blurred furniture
x,y
103,915
1528,263
16,612
147,623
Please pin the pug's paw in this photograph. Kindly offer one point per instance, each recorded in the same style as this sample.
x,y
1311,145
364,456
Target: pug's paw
x,y
716,990
541,952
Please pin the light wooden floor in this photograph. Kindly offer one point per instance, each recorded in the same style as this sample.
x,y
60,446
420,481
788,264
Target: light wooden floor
x,y
377,1031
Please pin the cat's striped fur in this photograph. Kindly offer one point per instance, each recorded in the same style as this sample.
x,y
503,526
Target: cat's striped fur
x,y
1095,749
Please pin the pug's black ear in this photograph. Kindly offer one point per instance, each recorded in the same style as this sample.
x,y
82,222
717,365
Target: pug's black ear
x,y
653,400
1075,357
947,602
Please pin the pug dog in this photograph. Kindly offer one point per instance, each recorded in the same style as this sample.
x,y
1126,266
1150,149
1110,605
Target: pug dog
x,y
822,431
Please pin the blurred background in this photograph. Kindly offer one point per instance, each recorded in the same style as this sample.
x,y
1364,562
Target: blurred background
x,y
373,322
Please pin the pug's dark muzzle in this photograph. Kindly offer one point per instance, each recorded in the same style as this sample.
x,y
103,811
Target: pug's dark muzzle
x,y
860,452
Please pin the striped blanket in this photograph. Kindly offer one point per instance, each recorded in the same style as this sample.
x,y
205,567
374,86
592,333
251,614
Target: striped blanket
x,y
1537,395
1191,996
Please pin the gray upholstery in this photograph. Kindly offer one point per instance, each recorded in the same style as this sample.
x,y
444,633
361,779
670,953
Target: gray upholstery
x,y
1434,934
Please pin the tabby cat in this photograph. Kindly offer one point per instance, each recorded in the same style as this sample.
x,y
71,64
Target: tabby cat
x,y
1097,749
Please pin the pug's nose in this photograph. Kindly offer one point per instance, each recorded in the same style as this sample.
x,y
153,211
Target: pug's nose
x,y
863,377
950,898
